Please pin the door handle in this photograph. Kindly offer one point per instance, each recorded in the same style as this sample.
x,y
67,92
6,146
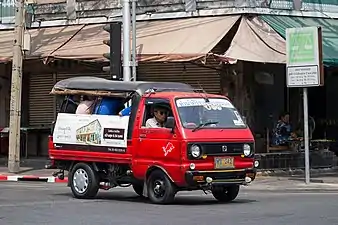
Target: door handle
x,y
143,135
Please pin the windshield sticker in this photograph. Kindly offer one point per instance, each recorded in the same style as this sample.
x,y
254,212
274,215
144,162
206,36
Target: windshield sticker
x,y
213,104
167,149
239,121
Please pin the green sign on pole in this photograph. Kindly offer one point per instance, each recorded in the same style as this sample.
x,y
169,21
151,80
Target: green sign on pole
x,y
303,49
304,57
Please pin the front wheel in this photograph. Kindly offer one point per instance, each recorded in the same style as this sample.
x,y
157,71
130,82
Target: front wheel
x,y
225,193
84,181
138,188
160,189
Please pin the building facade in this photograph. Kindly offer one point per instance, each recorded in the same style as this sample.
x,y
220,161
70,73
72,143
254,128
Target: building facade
x,y
243,55
63,12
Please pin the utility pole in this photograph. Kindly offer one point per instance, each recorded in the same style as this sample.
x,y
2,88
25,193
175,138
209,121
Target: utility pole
x,y
126,39
15,107
133,22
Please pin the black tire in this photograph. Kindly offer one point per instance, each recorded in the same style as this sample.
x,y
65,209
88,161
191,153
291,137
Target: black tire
x,y
90,179
225,193
160,189
138,188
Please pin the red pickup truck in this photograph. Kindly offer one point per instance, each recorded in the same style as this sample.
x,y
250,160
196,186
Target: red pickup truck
x,y
176,138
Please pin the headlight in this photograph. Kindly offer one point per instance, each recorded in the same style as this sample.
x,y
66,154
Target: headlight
x,y
246,149
195,151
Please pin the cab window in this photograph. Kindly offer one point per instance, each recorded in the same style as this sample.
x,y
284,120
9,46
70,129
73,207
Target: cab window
x,y
158,113
81,104
68,104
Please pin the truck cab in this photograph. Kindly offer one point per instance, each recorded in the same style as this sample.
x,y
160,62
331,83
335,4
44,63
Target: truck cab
x,y
176,138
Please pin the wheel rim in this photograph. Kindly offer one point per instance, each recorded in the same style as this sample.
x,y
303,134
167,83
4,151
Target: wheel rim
x,y
158,188
80,181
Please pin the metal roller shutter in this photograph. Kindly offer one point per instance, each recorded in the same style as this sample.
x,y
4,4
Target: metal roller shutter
x,y
41,104
62,76
195,75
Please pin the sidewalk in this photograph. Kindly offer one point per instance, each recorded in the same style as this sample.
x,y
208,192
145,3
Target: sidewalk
x,y
294,184
30,170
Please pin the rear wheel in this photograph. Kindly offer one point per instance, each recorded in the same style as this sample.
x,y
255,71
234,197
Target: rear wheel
x,y
225,193
84,181
160,189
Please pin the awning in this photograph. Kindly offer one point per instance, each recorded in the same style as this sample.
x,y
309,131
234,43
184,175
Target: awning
x,y
86,44
329,32
181,39
162,40
40,2
255,41
45,42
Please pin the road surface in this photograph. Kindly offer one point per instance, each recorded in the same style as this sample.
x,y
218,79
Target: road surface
x,y
52,204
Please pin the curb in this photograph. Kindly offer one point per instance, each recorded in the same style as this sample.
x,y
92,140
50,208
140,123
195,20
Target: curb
x,y
32,178
294,189
293,172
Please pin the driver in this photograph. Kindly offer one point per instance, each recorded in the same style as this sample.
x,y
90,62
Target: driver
x,y
160,117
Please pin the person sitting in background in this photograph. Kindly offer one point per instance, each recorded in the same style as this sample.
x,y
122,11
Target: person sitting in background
x,y
282,132
85,106
109,106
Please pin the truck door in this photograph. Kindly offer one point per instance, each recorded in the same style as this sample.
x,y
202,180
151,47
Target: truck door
x,y
156,146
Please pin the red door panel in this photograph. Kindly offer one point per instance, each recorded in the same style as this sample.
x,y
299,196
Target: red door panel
x,y
157,146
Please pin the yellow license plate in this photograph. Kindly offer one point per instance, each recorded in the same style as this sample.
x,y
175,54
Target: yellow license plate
x,y
224,162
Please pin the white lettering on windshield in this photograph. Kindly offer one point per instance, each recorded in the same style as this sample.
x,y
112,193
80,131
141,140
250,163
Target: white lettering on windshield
x,y
213,104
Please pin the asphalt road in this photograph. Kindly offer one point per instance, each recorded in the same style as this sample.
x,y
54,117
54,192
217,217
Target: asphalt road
x,y
52,204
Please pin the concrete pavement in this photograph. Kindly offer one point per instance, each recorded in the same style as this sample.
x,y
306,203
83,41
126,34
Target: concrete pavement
x,y
52,204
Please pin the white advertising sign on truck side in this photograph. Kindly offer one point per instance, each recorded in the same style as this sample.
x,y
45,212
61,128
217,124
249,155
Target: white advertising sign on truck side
x,y
109,132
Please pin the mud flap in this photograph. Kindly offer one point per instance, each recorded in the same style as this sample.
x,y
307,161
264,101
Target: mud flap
x,y
145,189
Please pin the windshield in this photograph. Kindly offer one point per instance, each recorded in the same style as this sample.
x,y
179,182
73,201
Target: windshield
x,y
217,113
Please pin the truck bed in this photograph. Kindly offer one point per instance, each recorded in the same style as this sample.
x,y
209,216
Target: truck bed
x,y
90,156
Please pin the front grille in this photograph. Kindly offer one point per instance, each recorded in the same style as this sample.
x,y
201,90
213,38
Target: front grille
x,y
213,149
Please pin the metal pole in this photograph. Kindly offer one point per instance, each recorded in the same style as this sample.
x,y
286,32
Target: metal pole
x,y
133,7
306,136
126,40
15,109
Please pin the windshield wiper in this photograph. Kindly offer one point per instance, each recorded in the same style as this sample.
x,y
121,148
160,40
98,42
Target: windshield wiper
x,y
203,125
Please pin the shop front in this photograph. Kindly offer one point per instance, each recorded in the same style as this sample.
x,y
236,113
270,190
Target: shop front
x,y
322,113
258,48
242,57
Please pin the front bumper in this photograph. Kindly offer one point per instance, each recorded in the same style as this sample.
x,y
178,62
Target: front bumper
x,y
220,177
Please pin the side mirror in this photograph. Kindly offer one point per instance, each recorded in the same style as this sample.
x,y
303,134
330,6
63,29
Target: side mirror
x,y
170,123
